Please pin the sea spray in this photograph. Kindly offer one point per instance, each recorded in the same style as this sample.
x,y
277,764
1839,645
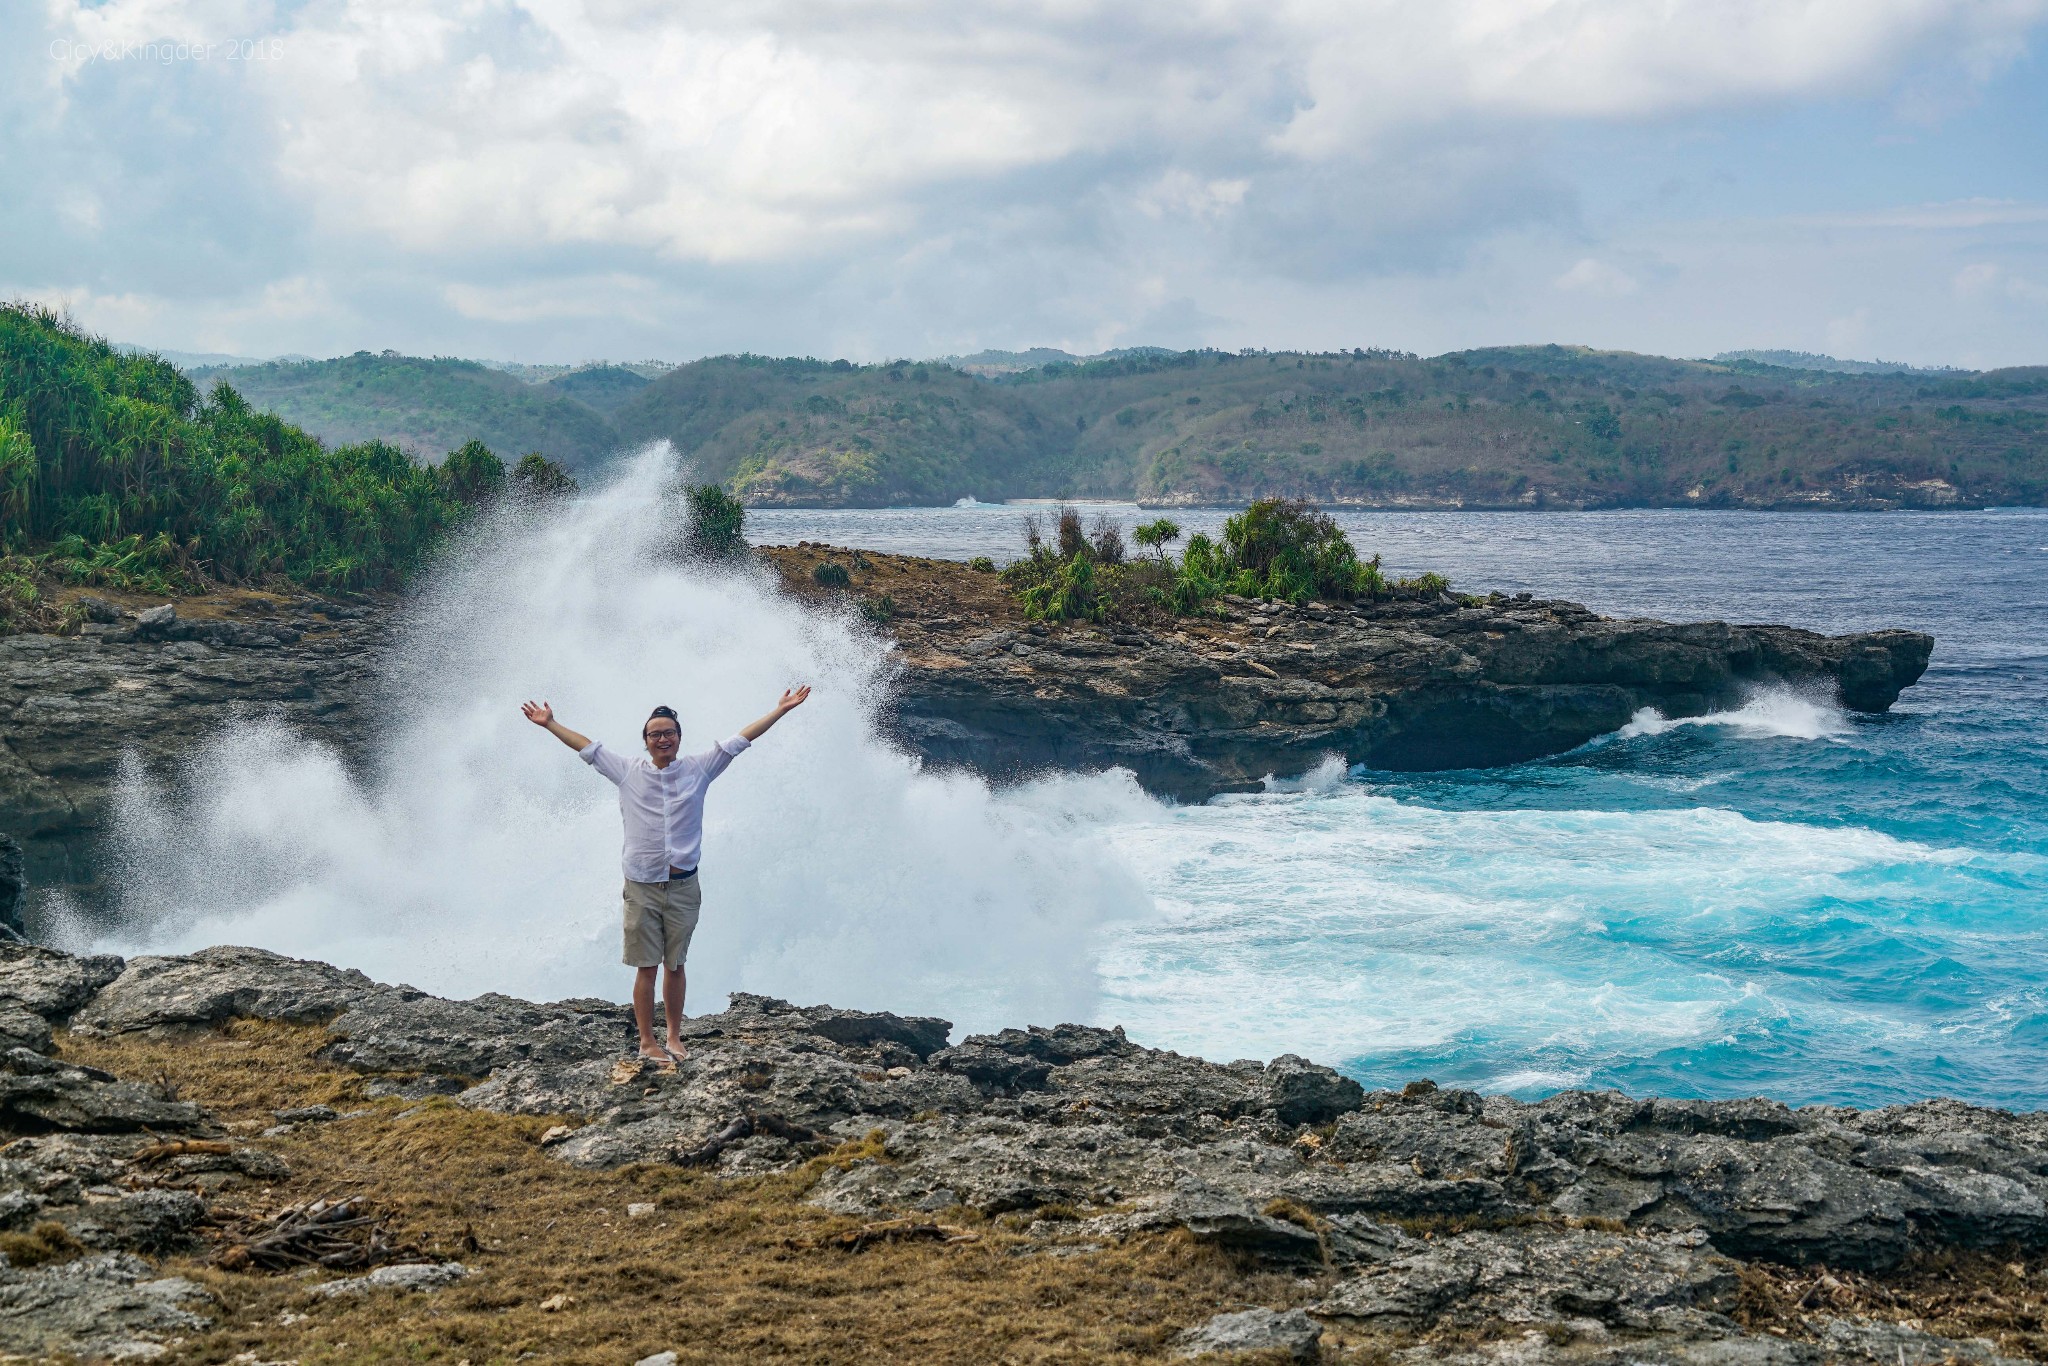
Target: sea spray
x,y
1778,711
478,854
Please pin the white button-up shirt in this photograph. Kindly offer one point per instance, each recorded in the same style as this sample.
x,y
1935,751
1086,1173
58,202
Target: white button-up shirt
x,y
663,808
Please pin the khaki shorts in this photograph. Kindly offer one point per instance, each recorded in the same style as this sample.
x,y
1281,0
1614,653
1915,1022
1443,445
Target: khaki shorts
x,y
660,918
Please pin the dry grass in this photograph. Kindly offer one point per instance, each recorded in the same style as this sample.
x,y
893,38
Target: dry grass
x,y
922,587
744,1271
2003,1297
721,1271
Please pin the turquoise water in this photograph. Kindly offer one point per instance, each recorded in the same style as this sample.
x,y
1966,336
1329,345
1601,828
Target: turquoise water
x,y
1785,900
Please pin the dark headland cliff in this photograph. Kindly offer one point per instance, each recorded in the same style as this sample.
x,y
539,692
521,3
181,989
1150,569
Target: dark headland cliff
x,y
233,1156
1197,705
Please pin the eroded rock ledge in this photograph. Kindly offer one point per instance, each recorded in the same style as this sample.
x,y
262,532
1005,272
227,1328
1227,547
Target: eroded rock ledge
x,y
1195,706
1598,1227
156,682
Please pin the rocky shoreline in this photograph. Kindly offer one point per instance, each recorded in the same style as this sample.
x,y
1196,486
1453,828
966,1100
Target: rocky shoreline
x,y
1418,1225
1193,706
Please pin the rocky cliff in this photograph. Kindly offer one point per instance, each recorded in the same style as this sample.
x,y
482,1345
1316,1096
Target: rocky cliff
x,y
153,681
1200,705
1194,706
1414,1225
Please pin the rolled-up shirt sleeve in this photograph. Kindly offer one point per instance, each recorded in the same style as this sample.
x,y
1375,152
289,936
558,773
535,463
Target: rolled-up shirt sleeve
x,y
603,760
714,760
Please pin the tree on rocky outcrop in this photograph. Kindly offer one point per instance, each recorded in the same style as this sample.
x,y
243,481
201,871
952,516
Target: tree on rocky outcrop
x,y
472,474
1156,535
718,523
538,479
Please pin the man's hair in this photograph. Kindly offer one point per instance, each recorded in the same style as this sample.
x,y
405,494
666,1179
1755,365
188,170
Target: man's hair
x,y
669,712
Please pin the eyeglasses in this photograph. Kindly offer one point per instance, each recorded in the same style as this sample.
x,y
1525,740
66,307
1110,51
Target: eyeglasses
x,y
657,736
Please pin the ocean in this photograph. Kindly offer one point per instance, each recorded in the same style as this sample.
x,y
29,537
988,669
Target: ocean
x,y
1787,900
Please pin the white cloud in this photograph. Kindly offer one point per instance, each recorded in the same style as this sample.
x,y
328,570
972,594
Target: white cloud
x,y
1962,214
1984,280
1597,277
1850,335
727,132
909,176
550,300
1178,192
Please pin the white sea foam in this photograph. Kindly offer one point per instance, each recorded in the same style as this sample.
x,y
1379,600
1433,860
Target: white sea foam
x,y
1778,712
1343,924
479,854
1326,777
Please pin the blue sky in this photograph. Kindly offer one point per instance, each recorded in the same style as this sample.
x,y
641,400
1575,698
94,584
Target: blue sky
x,y
566,179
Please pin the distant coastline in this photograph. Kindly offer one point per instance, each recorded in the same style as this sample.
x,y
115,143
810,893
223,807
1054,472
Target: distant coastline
x,y
1498,428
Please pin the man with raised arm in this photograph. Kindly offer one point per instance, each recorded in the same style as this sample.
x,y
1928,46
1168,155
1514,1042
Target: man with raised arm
x,y
661,798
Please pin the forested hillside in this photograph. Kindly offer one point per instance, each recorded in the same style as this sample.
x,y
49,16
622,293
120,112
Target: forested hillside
x,y
426,406
116,472
1546,426
1512,427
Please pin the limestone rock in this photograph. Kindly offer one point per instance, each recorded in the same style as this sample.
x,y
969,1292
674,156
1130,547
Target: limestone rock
x,y
415,1276
216,985
408,1031
1643,1284
152,1221
1254,1330
21,1028
49,983
13,886
38,1093
1611,1224
1302,1092
920,1035
95,1307
1231,1221
71,706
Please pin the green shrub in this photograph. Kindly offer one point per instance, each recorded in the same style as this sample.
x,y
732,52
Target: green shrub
x,y
717,523
1285,549
472,474
536,478
1425,585
1070,591
881,611
1157,535
828,574
1273,549
982,564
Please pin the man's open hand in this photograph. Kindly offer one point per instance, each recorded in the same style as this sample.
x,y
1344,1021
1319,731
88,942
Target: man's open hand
x,y
540,713
792,698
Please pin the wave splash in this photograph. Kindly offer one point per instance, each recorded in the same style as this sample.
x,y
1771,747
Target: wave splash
x,y
478,854
1772,713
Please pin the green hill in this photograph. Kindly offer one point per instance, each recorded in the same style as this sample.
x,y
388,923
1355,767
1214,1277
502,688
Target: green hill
x,y
1538,426
1546,426
426,406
